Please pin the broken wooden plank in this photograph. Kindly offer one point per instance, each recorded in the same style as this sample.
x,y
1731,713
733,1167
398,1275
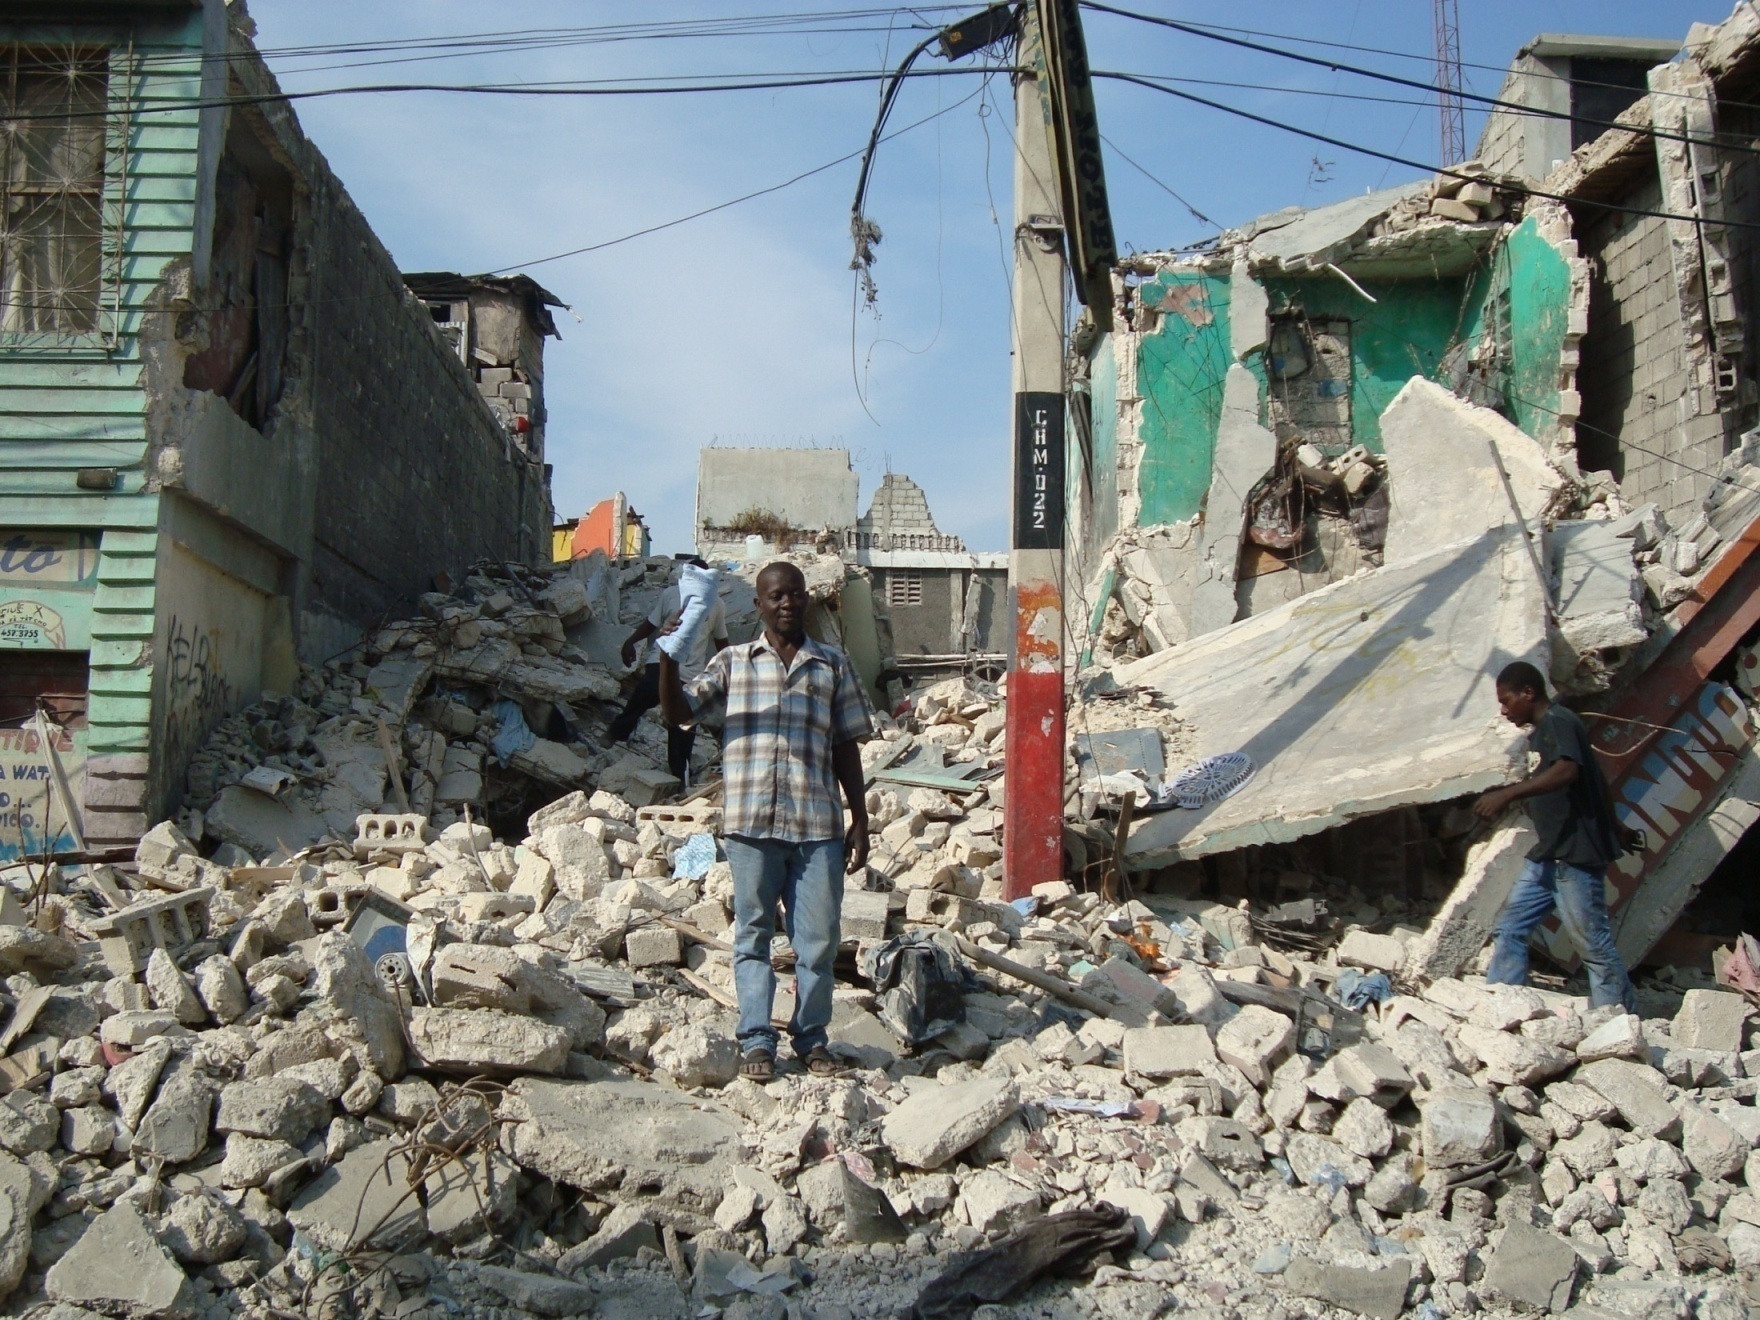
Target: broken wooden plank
x,y
1051,985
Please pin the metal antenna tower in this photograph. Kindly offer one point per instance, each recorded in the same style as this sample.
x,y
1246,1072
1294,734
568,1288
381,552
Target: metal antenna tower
x,y
1451,113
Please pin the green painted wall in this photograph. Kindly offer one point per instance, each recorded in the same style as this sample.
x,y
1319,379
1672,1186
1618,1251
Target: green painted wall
x,y
1180,371
1404,333
1539,282
74,402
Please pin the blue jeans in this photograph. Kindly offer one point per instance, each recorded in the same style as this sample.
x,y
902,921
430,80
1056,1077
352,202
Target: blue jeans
x,y
807,879
1581,899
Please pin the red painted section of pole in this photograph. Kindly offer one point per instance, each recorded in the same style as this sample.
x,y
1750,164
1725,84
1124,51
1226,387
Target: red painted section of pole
x,y
1032,813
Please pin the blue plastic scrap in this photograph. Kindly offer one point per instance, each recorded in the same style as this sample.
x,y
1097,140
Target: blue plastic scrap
x,y
693,860
511,736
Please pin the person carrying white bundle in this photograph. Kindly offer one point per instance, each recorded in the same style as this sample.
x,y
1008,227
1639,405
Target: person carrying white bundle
x,y
698,590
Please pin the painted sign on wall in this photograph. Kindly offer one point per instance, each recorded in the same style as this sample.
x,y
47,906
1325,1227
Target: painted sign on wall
x,y
32,818
46,582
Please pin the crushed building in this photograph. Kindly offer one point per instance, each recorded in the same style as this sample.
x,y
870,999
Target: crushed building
x,y
222,405
1306,448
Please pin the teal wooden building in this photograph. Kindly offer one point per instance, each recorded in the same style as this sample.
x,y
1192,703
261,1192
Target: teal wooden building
x,y
220,409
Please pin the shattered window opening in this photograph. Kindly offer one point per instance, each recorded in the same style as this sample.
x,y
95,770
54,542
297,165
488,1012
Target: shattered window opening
x,y
1309,378
51,189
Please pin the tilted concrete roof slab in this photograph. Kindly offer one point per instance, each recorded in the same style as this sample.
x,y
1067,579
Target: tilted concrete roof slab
x,y
1372,693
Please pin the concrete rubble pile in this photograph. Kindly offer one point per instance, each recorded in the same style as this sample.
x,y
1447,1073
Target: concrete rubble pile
x,y
1467,194
432,1072
487,704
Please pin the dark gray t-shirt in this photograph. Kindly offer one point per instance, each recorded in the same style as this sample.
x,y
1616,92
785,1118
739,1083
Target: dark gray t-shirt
x,y
1574,823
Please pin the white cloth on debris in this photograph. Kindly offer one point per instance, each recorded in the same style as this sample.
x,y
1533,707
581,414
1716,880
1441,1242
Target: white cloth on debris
x,y
698,594
667,608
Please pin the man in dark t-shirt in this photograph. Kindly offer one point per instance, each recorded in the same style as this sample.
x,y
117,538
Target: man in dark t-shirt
x,y
1579,838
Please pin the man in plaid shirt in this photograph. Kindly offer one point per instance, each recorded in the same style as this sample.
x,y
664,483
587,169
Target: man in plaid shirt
x,y
795,718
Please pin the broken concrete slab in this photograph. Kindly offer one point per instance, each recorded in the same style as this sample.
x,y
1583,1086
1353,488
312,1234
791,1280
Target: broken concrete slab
x,y
938,1122
604,1136
1377,1293
483,1038
478,1190
1533,1266
1710,1020
540,1294
626,1230
272,1108
263,825
1636,1091
118,1267
1442,461
365,1199
1298,238
1466,920
1158,1053
1245,452
1600,597
1372,693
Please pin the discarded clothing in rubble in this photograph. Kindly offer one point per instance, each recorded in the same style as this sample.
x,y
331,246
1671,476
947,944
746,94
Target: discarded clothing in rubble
x,y
1742,970
921,985
1357,990
698,590
693,860
1062,1243
512,736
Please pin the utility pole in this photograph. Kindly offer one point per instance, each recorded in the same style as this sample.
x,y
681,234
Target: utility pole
x,y
1033,805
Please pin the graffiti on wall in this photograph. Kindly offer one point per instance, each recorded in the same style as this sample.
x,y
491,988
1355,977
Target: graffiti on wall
x,y
197,694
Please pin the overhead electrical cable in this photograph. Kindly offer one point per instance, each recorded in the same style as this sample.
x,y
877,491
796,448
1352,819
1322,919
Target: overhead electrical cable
x,y
165,105
1448,172
1246,44
722,206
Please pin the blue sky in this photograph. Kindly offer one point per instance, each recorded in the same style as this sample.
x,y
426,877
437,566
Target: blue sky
x,y
742,327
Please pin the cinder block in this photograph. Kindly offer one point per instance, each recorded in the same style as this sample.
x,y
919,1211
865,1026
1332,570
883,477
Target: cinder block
x,y
864,915
653,946
128,938
389,832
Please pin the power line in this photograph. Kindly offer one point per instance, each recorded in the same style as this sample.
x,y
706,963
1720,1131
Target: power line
x,y
1539,75
1604,124
1416,164
593,247
165,105
722,206
542,38
1196,214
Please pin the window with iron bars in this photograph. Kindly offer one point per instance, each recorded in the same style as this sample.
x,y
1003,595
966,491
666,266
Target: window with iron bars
x,y
51,189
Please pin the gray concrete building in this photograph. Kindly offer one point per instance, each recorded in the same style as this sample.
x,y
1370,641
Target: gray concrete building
x,y
948,604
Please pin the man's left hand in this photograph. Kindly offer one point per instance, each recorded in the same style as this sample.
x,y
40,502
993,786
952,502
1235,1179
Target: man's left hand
x,y
855,847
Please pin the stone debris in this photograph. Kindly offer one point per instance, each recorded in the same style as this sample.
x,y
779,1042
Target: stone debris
x,y
487,1061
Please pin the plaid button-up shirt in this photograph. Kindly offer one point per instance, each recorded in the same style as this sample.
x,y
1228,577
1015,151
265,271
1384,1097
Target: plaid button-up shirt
x,y
781,724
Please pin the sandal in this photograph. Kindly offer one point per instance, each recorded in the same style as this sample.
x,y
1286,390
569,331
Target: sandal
x,y
821,1062
759,1065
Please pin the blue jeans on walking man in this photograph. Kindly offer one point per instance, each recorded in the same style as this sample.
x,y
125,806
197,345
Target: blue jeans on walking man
x,y
1579,895
807,880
